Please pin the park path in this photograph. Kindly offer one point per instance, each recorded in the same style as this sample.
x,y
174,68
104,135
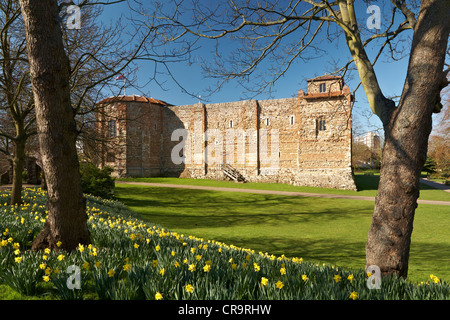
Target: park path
x,y
284,193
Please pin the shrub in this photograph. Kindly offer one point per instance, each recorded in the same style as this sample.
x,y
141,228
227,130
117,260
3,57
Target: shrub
x,y
96,181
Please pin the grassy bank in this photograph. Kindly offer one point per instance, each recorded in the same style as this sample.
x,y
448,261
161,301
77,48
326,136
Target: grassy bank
x,y
130,258
330,231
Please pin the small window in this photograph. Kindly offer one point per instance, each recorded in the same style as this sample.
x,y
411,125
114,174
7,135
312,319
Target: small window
x,y
231,123
291,120
322,87
112,128
322,125
267,121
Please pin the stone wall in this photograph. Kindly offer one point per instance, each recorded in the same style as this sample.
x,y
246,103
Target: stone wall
x,y
301,141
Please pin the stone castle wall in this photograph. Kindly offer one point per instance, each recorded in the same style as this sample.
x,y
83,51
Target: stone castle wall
x,y
301,141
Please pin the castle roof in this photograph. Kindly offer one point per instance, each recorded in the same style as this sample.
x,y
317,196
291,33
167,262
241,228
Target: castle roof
x,y
325,77
133,98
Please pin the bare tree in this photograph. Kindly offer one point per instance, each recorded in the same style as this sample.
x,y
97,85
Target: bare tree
x,y
283,32
50,77
15,90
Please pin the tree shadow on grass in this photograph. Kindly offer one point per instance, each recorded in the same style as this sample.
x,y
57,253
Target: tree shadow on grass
x,y
193,209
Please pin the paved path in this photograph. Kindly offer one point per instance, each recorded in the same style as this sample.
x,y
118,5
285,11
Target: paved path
x,y
284,193
436,185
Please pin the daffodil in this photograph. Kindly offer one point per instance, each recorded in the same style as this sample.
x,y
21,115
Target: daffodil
x,y
279,285
46,278
350,278
304,277
111,273
264,281
189,288
158,296
207,268
353,295
337,278
127,267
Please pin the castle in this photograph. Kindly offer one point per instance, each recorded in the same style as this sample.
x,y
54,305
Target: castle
x,y
305,140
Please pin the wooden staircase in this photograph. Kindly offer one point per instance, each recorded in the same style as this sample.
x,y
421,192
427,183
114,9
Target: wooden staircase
x,y
232,173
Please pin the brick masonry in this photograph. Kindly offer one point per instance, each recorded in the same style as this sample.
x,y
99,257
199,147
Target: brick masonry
x,y
302,141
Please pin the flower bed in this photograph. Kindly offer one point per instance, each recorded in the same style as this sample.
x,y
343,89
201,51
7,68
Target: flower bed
x,y
130,258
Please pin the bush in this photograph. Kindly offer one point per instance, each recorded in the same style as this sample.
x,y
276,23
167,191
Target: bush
x,y
95,181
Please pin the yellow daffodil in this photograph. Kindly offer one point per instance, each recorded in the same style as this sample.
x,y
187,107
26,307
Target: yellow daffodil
x,y
111,273
46,278
337,278
279,285
189,288
158,296
207,268
350,278
353,295
304,277
264,281
127,267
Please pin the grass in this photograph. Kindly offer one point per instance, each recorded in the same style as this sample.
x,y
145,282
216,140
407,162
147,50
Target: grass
x,y
320,230
367,185
130,258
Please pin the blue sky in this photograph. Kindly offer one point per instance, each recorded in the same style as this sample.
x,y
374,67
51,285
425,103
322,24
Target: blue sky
x,y
391,75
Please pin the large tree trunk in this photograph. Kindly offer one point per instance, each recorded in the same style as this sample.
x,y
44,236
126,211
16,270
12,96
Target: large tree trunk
x,y
49,71
406,136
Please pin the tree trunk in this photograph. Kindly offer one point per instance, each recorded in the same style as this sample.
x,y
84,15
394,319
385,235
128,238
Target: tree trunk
x,y
406,136
50,71
18,165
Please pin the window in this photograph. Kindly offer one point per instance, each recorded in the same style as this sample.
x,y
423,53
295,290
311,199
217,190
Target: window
x,y
267,121
231,123
322,125
322,87
112,128
291,120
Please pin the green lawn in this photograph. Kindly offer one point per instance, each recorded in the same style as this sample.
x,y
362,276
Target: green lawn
x,y
330,231
367,186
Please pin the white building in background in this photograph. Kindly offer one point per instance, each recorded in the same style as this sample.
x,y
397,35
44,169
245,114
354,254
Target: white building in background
x,y
370,139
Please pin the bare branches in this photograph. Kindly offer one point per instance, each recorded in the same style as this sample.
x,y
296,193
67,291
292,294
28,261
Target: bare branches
x,y
277,34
